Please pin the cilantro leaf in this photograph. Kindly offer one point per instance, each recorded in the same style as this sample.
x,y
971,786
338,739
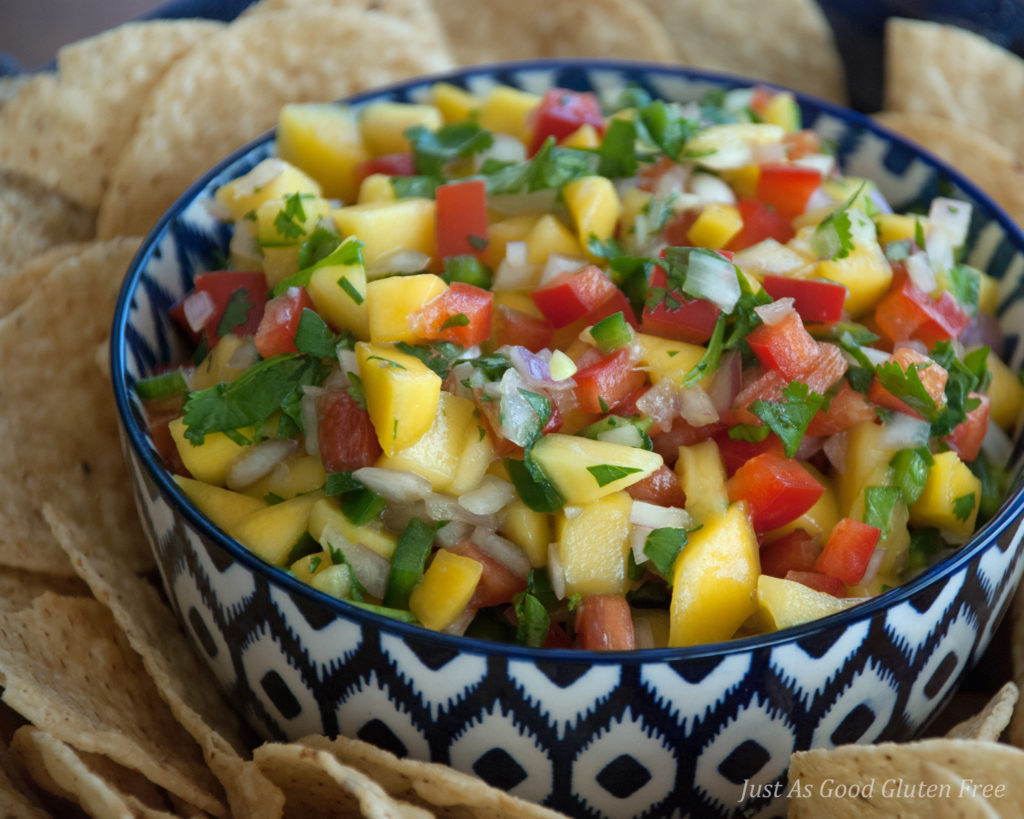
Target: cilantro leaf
x,y
605,474
236,311
415,187
439,356
662,547
664,126
288,221
532,486
712,356
617,154
906,385
833,237
533,620
431,150
320,244
879,504
346,254
790,417
910,472
313,336
355,390
540,404
964,505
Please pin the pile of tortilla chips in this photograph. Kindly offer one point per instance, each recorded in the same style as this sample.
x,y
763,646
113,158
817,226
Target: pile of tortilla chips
x,y
106,709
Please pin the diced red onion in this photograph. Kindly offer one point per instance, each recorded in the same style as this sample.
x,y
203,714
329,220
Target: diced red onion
x,y
652,516
809,447
258,460
877,199
983,330
672,181
216,209
920,272
311,417
508,554
556,572
819,200
725,383
453,533
953,216
396,485
710,188
198,307
403,260
776,311
490,497
904,431
369,567
835,447
874,564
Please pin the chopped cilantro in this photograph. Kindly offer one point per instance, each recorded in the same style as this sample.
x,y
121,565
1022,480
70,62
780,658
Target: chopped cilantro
x,y
386,361
879,504
910,472
350,290
665,127
455,320
236,311
605,474
662,547
540,404
348,253
712,356
432,150
355,390
533,620
919,238
617,154
964,505
415,187
313,336
467,269
533,488
924,546
439,356
339,483
790,417
906,385
288,221
320,244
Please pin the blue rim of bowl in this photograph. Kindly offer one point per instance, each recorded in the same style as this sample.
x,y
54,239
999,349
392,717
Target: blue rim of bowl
x,y
1011,509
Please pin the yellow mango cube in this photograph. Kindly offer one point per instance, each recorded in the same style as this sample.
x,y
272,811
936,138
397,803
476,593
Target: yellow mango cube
x,y
593,543
950,498
326,516
383,125
305,567
504,110
715,226
271,532
443,593
714,580
743,180
402,394
584,470
668,359
1005,392
477,454
376,187
867,458
208,462
594,207
502,231
529,530
224,507
893,227
282,225
217,366
388,227
786,603
324,141
865,273
988,294
585,137
783,111
391,301
702,478
549,235
339,294
455,104
273,178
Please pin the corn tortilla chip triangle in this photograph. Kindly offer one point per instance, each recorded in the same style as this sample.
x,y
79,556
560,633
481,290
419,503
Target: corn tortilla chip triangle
x,y
67,129
498,30
184,682
10,85
18,281
251,69
956,75
58,420
67,668
317,785
19,588
788,42
989,723
18,799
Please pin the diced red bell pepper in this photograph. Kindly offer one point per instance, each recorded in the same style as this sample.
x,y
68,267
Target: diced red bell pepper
x,y
760,222
693,320
276,333
816,300
605,623
826,369
400,164
933,377
222,286
787,187
661,487
516,328
966,437
461,218
786,346
848,550
345,433
462,314
557,638
907,312
498,583
561,112
794,551
846,409
818,582
735,453
603,385
615,303
767,387
777,490
573,294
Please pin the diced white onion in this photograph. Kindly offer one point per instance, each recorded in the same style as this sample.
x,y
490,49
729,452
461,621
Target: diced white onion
x,y
939,248
458,626
637,541
517,253
835,447
508,554
696,407
512,204
920,272
559,263
953,216
725,383
776,311
310,417
874,355
439,506
709,188
626,435
997,444
713,277
504,148
258,460
490,497
904,431
394,484
822,163
515,271
771,152
244,356
216,209
769,256
661,403
653,516
672,181
369,567
348,361
453,533
403,260
198,307
556,572
874,564
519,421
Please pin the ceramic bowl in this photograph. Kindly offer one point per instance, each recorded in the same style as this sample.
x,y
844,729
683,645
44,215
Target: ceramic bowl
x,y
647,733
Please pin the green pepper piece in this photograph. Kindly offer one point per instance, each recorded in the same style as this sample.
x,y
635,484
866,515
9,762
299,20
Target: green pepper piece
x,y
407,563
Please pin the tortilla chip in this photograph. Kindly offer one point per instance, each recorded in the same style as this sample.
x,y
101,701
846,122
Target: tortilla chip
x,y
58,419
989,723
99,786
527,29
34,218
316,784
436,787
68,670
68,129
182,680
1015,733
788,42
993,167
18,282
956,75
958,771
229,89
10,85
18,798
18,589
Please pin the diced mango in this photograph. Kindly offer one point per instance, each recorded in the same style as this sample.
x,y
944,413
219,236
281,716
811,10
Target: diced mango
x,y
714,580
702,478
505,109
1005,393
376,187
455,104
950,498
787,603
667,359
729,146
401,391
865,273
593,542
528,529
821,518
324,141
387,227
893,227
281,227
867,455
383,125
477,455
518,300
549,235
585,137
743,180
988,294
208,462
271,532
502,231
224,507
634,202
297,474
305,567
444,591
217,366
339,294
335,579
783,111
594,207
583,470
715,226
326,515
272,178
391,301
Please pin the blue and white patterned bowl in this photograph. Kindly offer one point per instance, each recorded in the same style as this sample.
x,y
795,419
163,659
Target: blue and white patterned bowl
x,y
650,733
